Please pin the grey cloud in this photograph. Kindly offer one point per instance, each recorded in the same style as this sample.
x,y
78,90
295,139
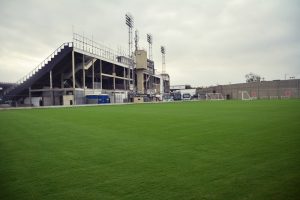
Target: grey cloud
x,y
207,41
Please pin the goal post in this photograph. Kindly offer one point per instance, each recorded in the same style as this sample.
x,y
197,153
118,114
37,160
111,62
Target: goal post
x,y
246,96
214,96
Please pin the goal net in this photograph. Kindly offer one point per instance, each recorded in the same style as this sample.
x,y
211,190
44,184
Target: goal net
x,y
245,95
214,96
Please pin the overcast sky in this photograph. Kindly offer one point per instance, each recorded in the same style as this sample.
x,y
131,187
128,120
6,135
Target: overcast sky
x,y
208,42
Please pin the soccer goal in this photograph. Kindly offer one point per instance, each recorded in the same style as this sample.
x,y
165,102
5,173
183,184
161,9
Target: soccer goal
x,y
214,96
245,95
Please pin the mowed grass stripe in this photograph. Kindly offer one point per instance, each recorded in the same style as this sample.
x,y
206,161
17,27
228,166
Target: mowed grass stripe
x,y
188,150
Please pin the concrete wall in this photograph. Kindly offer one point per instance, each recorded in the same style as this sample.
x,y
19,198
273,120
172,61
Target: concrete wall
x,y
138,99
260,90
35,101
140,81
68,100
118,97
141,59
79,97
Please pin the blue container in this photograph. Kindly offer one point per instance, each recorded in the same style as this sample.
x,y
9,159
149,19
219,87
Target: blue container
x,y
98,99
103,98
92,96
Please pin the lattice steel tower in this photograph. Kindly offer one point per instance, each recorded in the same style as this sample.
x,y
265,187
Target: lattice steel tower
x,y
136,40
129,23
150,40
163,53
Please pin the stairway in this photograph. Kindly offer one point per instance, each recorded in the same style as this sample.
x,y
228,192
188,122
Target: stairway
x,y
43,68
78,67
87,65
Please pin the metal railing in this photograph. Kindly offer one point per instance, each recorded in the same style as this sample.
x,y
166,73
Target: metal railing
x,y
88,45
39,67
6,83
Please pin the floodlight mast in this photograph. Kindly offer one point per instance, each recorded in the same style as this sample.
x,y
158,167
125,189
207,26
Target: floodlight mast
x,y
136,40
150,40
163,53
129,22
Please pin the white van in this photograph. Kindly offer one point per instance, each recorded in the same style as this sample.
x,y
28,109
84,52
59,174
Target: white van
x,y
186,96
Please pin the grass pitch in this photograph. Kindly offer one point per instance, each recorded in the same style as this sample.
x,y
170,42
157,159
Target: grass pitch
x,y
190,150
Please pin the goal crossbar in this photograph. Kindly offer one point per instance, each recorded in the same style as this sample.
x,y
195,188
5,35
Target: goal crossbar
x,y
214,96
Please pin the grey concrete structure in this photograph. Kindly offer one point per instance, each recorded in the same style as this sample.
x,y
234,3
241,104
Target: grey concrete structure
x,y
146,80
259,90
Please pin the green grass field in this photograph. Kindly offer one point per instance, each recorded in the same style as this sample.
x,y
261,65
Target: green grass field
x,y
222,150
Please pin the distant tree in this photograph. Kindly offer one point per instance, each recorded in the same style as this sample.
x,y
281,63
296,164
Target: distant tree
x,y
251,77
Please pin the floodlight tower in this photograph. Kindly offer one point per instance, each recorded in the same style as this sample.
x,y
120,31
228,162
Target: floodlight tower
x,y
129,23
136,40
163,53
165,77
149,40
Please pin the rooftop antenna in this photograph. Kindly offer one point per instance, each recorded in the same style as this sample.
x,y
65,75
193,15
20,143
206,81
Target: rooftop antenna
x,y
150,40
163,53
129,23
136,40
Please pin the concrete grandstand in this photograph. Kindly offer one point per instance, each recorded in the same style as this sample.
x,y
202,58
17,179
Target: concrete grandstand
x,y
84,67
